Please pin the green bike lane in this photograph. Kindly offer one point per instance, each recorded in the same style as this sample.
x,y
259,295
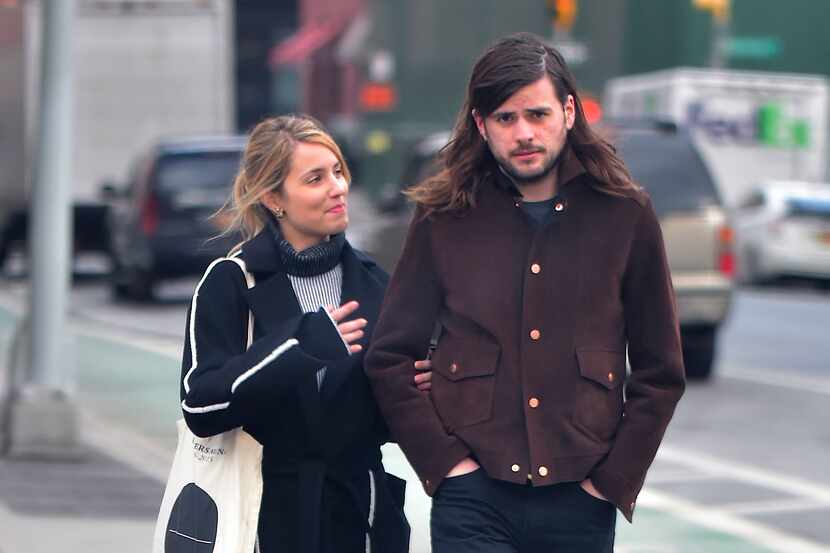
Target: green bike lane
x,y
129,394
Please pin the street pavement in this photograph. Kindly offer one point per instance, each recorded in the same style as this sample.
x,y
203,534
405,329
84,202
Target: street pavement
x,y
715,487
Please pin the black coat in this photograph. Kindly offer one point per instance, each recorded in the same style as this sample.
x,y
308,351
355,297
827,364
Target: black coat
x,y
319,446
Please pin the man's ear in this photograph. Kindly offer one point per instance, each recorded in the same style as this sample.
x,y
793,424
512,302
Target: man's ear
x,y
570,112
480,124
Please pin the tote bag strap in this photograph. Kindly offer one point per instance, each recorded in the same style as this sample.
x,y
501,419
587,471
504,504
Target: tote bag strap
x,y
249,280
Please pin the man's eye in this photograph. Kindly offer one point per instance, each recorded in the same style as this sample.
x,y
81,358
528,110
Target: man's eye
x,y
538,114
505,118
312,180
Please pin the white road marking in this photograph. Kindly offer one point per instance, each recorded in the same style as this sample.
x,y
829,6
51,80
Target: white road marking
x,y
772,506
727,523
780,379
675,476
790,485
130,339
143,454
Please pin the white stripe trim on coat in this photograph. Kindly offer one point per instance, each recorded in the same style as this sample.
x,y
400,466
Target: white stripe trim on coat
x,y
206,408
333,322
249,280
188,537
192,329
371,510
285,346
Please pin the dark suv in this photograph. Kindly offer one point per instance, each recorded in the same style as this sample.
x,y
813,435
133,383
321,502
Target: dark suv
x,y
160,224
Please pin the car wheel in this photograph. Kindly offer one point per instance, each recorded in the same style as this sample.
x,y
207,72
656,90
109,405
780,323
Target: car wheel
x,y
119,288
143,286
699,346
4,252
132,284
752,275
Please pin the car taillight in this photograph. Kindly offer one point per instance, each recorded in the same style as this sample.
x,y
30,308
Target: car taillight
x,y
149,214
726,251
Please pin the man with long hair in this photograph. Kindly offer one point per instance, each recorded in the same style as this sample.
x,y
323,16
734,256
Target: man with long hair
x,y
544,265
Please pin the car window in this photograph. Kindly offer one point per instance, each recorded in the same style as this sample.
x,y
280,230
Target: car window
x,y
178,173
669,168
809,208
754,200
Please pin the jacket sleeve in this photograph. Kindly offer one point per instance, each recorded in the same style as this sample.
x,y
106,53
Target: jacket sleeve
x,y
411,307
657,378
223,384
381,429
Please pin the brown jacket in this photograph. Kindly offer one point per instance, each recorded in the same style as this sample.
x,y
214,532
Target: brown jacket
x,y
528,375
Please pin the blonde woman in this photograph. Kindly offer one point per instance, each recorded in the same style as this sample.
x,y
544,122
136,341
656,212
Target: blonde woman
x,y
300,389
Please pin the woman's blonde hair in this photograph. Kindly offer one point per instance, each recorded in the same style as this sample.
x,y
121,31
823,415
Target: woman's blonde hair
x,y
265,164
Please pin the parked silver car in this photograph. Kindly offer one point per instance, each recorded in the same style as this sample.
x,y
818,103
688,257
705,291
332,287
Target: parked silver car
x,y
783,230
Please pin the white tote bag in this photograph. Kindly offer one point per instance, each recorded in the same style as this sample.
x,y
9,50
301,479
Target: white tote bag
x,y
212,499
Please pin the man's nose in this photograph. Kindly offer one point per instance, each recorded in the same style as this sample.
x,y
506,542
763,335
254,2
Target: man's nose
x,y
523,131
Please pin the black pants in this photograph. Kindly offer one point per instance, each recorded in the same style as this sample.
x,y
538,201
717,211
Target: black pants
x,y
474,513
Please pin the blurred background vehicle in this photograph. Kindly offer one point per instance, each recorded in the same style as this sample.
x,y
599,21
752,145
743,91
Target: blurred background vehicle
x,y
420,163
748,126
783,230
144,70
696,228
161,224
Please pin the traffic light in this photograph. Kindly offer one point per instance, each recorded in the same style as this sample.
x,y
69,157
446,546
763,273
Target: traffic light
x,y
563,13
720,9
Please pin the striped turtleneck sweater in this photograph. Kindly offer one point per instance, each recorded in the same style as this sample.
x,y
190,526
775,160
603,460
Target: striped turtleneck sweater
x,y
315,273
316,291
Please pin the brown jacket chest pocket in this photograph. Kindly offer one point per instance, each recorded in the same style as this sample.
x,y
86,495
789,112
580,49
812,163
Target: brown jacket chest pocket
x,y
599,400
463,381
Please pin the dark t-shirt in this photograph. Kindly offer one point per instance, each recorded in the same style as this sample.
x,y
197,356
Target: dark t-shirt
x,y
540,212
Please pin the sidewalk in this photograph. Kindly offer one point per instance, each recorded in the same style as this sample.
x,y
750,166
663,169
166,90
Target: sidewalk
x,y
96,505
128,398
108,501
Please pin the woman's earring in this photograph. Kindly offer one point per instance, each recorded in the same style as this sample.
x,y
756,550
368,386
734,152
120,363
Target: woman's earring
x,y
279,213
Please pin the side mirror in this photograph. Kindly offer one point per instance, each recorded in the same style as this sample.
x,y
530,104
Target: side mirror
x,y
109,190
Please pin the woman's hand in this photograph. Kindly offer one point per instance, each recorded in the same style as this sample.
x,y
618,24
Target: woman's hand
x,y
423,378
350,330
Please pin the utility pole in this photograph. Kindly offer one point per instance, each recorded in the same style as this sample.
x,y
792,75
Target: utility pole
x,y
721,11
43,419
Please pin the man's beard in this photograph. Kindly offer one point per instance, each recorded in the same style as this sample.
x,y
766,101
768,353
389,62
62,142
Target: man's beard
x,y
532,178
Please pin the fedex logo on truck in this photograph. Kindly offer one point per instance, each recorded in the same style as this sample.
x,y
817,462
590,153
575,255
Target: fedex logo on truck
x,y
767,124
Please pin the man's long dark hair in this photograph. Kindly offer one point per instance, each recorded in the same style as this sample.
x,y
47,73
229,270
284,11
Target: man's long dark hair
x,y
509,65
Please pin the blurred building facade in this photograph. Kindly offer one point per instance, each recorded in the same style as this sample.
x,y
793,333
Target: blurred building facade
x,y
382,73
386,72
